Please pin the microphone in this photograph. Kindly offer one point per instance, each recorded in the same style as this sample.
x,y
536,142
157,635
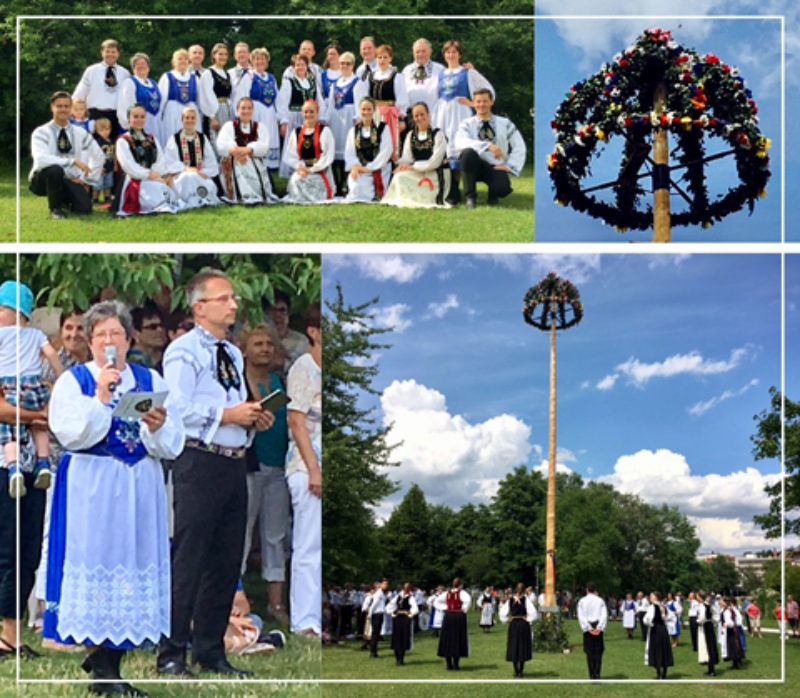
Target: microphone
x,y
111,357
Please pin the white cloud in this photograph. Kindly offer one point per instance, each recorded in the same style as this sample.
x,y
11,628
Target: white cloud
x,y
586,384
401,269
608,382
439,310
453,460
578,268
657,261
728,534
700,408
544,467
393,317
366,360
639,373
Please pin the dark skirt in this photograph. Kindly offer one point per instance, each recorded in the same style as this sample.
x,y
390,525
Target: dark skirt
x,y
401,633
710,635
453,640
519,647
733,644
659,649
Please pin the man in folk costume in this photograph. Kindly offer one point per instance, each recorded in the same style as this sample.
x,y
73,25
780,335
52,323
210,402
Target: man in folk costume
x,y
422,76
491,148
204,373
242,144
307,49
58,171
366,48
190,156
642,604
99,85
376,607
309,153
593,616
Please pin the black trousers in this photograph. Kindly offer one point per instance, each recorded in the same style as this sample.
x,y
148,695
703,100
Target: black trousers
x,y
377,626
474,169
210,506
31,524
593,646
59,190
346,627
693,631
111,115
640,617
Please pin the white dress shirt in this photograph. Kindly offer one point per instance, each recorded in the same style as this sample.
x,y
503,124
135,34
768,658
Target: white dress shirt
x,y
92,87
44,149
592,608
506,136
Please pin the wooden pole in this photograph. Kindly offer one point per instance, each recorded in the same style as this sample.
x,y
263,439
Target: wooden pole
x,y
550,548
661,220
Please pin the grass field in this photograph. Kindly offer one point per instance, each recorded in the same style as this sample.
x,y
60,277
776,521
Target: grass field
x,y
511,221
623,659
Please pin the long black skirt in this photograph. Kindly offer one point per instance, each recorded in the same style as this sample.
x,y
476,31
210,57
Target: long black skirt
x,y
659,648
733,644
453,641
401,633
519,646
709,634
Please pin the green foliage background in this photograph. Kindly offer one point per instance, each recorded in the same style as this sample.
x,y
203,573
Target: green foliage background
x,y
55,52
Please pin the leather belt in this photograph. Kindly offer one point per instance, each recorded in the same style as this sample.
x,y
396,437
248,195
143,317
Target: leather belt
x,y
235,452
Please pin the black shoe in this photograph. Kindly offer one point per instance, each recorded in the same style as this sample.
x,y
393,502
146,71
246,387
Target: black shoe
x,y
222,666
493,201
470,203
57,214
175,668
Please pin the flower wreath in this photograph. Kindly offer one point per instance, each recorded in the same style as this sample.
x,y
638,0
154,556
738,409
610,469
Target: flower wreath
x,y
552,290
704,95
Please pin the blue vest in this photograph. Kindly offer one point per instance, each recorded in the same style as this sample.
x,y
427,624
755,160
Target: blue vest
x,y
181,91
453,85
123,440
264,91
344,95
148,97
326,84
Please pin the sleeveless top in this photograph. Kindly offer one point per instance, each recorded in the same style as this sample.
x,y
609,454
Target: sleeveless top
x,y
242,138
422,150
123,441
144,150
263,90
192,155
343,94
221,85
309,149
453,600
404,604
382,91
149,96
183,91
301,94
453,85
367,149
516,607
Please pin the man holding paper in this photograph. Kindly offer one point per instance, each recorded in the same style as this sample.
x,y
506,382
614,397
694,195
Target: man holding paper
x,y
109,546
204,372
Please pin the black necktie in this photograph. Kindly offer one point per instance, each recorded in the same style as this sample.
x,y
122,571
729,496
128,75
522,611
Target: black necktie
x,y
227,373
111,79
486,132
64,146
420,73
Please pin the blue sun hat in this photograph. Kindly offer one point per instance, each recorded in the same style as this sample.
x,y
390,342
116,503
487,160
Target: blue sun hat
x,y
8,297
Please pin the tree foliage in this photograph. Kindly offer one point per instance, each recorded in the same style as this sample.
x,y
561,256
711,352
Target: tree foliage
x,y
54,52
767,440
74,280
772,577
354,448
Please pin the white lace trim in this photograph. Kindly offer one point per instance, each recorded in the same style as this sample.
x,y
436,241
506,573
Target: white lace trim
x,y
115,605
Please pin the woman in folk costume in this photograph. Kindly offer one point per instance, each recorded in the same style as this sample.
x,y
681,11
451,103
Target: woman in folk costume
x,y
331,69
140,89
519,612
180,88
421,178
387,87
191,159
367,156
629,615
146,186
242,146
707,620
486,604
739,625
456,87
454,638
733,645
262,88
309,154
215,83
402,608
108,570
674,629
658,651
341,111
296,89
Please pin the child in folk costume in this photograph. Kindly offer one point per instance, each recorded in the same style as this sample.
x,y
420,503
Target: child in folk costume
x,y
519,612
707,620
102,136
402,608
367,156
454,639
629,615
658,651
674,628
486,604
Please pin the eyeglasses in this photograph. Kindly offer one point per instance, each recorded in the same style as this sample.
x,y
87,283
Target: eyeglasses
x,y
153,326
221,299
111,334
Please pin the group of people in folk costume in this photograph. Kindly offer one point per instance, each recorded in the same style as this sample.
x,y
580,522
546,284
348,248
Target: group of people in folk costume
x,y
203,135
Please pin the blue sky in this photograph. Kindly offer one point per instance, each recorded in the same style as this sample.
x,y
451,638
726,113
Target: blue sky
x,y
657,386
568,50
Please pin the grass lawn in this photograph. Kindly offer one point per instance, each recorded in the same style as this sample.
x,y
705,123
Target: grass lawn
x,y
299,659
623,659
511,221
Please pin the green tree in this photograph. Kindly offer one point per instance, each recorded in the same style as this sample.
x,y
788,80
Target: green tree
x,y
354,447
772,577
767,440
723,577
